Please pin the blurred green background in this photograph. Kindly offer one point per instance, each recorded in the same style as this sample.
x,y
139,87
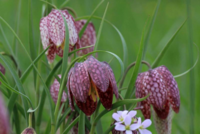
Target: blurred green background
x,y
130,17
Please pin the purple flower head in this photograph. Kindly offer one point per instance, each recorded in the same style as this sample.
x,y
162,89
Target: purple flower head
x,y
29,130
4,120
2,69
54,90
163,90
88,38
52,32
87,81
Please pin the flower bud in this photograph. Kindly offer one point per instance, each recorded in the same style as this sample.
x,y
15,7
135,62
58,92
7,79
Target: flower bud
x,y
29,130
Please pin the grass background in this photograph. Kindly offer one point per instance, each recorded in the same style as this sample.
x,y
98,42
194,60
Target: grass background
x,y
129,16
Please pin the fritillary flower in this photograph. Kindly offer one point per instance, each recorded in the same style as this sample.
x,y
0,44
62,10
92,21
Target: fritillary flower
x,y
88,38
54,90
29,130
87,81
52,32
164,95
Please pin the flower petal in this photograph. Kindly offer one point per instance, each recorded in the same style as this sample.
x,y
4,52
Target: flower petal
x,y
106,97
132,113
44,33
54,90
127,120
112,79
144,131
134,126
128,132
56,27
81,82
88,38
88,107
146,123
120,127
51,53
116,116
97,73
73,34
139,121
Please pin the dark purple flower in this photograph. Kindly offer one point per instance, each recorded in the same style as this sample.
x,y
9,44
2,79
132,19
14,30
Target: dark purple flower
x,y
88,38
163,90
29,130
52,32
4,120
87,81
2,69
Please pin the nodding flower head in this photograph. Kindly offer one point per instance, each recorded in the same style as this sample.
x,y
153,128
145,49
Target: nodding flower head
x,y
87,81
29,130
4,121
88,38
52,32
54,90
163,90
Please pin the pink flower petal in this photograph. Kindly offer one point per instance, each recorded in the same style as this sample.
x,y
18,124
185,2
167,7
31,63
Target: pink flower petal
x,y
120,127
146,123
144,131
44,33
128,132
116,116
127,120
134,126
132,113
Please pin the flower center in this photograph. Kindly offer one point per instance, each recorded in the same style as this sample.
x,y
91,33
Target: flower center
x,y
133,120
121,118
127,127
93,91
141,127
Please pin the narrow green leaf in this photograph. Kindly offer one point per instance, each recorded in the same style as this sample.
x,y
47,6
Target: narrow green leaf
x,y
64,67
54,6
32,45
99,127
15,91
19,84
64,4
150,28
88,21
76,50
100,28
43,96
81,124
124,45
48,127
179,75
16,120
63,117
60,112
136,67
71,125
118,104
161,54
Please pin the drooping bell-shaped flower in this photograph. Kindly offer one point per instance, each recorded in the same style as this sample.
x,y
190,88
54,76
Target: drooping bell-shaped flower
x,y
87,81
88,38
29,130
4,120
54,90
52,32
164,95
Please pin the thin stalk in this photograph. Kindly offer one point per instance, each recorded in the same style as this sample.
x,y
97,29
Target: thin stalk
x,y
62,126
71,10
93,119
30,120
128,68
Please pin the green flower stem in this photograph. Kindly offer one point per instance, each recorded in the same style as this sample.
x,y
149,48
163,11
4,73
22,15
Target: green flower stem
x,y
71,10
93,119
127,70
62,127
63,84
30,120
